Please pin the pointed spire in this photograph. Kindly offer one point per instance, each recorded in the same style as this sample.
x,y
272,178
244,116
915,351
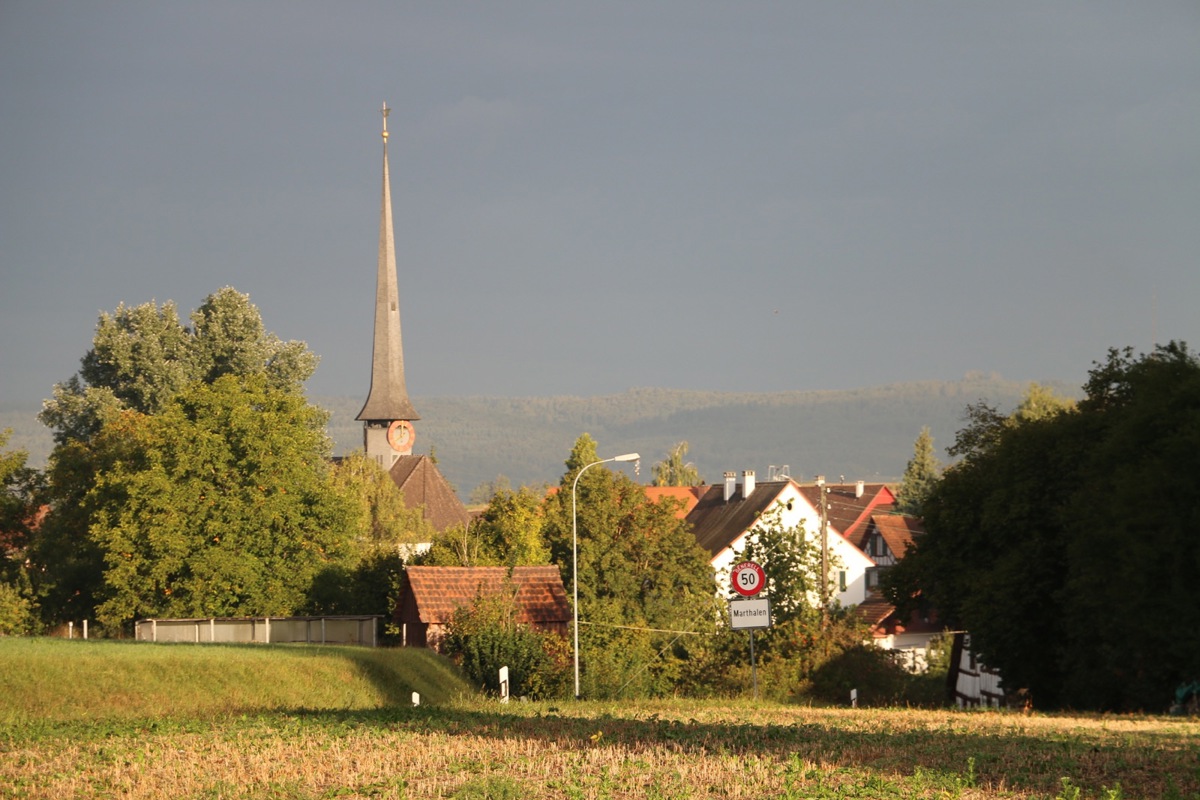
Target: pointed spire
x,y
388,399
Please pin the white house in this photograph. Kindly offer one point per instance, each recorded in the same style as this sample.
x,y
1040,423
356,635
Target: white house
x,y
724,515
863,534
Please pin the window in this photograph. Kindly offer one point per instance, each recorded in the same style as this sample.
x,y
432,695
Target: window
x,y
841,580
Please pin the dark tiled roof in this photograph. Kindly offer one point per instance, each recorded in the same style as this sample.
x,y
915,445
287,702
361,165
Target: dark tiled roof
x,y
718,523
424,487
438,591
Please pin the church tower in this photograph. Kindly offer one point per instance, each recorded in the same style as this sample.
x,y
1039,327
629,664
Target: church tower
x,y
387,416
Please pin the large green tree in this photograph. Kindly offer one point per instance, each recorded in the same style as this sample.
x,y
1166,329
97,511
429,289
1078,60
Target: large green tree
x,y
1064,540
142,356
110,423
644,583
220,505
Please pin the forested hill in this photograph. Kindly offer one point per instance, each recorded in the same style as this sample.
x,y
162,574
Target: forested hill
x,y
863,434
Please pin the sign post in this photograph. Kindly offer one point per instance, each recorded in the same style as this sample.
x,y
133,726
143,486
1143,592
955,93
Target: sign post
x,y
750,613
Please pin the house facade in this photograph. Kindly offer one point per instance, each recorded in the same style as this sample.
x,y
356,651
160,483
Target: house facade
x,y
726,514
862,533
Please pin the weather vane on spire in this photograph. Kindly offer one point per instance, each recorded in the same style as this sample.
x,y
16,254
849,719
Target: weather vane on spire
x,y
385,113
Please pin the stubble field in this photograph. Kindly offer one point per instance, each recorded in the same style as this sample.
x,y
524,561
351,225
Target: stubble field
x,y
359,740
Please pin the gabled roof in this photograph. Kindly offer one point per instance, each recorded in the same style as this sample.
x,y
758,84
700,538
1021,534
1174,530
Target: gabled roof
x,y
689,496
847,510
881,616
424,486
438,591
897,531
874,610
718,522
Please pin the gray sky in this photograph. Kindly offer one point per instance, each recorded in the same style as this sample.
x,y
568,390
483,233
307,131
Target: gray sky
x,y
590,197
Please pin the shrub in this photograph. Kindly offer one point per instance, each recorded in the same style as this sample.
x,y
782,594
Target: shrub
x,y
486,636
874,672
16,611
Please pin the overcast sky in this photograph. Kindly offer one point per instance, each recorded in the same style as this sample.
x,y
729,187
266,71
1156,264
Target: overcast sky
x,y
591,197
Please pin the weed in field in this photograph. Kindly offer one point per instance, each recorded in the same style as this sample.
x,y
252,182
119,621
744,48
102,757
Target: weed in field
x,y
970,778
491,788
1069,791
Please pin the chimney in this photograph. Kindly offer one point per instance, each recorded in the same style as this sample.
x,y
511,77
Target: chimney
x,y
859,488
730,485
747,483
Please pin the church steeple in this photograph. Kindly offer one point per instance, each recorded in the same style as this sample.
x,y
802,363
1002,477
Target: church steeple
x,y
387,414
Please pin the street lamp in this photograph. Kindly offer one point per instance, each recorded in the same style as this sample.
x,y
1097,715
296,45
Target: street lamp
x,y
575,550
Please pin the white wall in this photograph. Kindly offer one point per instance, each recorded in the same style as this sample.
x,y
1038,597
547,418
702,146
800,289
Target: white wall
x,y
842,554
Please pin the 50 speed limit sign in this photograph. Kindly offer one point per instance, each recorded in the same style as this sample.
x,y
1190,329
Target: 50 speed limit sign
x,y
747,578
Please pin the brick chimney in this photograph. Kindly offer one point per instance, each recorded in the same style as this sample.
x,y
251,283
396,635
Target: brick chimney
x,y
859,488
747,483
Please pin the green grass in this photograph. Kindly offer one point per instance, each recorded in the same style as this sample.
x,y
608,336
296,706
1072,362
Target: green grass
x,y
337,722
54,680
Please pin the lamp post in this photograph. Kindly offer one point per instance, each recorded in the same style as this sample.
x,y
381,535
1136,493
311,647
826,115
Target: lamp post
x,y
575,551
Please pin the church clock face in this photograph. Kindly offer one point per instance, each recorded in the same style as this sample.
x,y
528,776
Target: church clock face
x,y
400,435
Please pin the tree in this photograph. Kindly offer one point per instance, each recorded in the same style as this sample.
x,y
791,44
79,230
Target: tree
x,y
381,517
381,530
674,471
643,580
221,505
1064,541
486,636
1041,402
17,486
920,475
507,533
141,357
144,366
17,483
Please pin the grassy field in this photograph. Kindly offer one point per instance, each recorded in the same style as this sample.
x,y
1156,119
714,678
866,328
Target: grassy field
x,y
155,721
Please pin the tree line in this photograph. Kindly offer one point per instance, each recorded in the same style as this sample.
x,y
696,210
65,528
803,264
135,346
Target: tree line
x,y
192,477
1065,537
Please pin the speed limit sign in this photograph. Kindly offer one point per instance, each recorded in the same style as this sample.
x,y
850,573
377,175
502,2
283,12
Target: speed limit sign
x,y
747,578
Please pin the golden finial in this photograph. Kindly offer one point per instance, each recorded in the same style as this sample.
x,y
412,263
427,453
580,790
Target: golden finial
x,y
385,113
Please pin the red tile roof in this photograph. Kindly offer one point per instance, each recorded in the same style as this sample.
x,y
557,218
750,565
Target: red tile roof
x,y
689,496
897,530
436,592
847,510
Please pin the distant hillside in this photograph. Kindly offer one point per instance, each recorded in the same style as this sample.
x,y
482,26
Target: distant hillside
x,y
859,433
862,433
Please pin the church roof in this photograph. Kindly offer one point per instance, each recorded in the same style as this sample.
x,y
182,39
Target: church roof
x,y
388,398
424,486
